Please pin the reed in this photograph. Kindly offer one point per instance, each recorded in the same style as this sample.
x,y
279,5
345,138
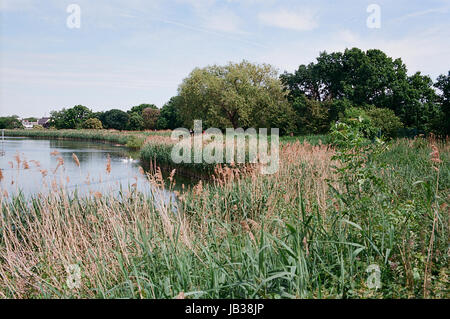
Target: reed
x,y
292,234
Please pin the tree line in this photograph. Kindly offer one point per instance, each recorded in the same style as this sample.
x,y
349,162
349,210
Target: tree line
x,y
339,86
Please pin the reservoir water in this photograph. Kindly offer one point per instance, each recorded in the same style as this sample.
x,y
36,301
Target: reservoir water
x,y
33,166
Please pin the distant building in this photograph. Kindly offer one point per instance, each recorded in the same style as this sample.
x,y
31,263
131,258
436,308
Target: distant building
x,y
28,125
45,122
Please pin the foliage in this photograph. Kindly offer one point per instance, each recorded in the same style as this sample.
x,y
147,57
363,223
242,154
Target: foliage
x,y
115,119
308,231
10,122
135,142
170,117
236,95
38,127
135,122
313,117
92,124
386,121
369,78
357,119
140,108
443,122
150,118
70,118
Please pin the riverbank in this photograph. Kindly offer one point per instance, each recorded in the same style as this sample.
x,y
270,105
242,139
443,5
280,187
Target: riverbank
x,y
293,234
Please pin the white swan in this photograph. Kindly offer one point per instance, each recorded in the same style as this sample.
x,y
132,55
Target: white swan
x,y
128,160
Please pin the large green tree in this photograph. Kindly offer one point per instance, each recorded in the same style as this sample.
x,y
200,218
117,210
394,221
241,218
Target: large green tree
x,y
10,122
150,116
236,95
170,117
365,78
115,119
70,118
140,108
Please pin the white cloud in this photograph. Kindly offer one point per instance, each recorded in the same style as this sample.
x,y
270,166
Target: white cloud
x,y
302,20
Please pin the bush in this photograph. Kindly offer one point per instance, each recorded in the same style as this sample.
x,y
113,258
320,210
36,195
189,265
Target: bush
x,y
38,127
136,122
313,116
92,124
135,142
358,119
386,121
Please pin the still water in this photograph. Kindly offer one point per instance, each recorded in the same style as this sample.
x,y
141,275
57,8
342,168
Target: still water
x,y
34,166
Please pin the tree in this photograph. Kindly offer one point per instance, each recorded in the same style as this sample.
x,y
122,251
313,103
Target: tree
x,y
10,122
135,122
92,124
443,84
150,117
115,119
365,78
385,121
235,95
70,118
140,108
313,117
170,117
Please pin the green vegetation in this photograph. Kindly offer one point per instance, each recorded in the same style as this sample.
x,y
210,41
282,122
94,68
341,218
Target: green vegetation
x,y
10,122
309,231
352,199
306,102
236,95
92,124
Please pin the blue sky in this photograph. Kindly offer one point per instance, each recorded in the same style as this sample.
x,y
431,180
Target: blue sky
x,y
129,52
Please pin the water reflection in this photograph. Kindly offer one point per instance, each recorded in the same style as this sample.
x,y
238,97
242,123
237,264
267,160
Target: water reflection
x,y
33,166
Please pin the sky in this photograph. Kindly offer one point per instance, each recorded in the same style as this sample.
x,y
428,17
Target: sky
x,y
128,52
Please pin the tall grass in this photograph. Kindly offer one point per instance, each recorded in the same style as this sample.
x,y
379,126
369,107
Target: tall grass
x,y
293,234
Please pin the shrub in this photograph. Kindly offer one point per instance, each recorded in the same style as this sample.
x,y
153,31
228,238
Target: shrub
x,y
136,122
386,121
38,127
92,124
135,142
357,118
313,116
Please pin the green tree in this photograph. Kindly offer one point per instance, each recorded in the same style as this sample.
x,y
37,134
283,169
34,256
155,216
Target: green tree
x,y
140,108
385,121
170,117
70,118
235,95
313,117
150,117
92,124
135,122
443,84
10,122
115,119
365,78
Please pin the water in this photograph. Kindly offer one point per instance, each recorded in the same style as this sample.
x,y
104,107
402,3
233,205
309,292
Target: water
x,y
43,174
